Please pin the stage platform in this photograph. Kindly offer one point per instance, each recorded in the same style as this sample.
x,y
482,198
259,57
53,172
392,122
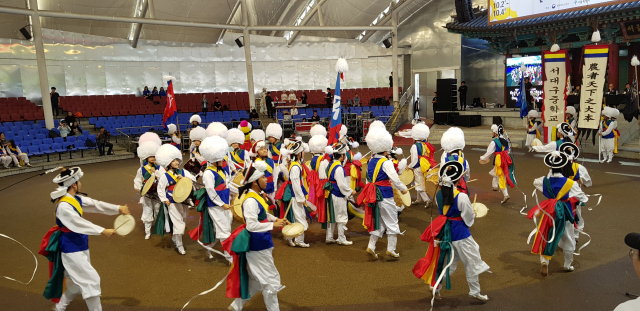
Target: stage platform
x,y
510,116
474,136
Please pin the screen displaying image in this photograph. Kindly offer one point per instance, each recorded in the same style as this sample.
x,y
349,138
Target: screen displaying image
x,y
534,70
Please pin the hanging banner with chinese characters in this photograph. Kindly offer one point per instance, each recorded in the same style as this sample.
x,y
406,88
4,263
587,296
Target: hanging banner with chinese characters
x,y
555,96
594,72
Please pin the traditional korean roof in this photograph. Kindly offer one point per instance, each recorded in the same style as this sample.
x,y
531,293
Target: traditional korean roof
x,y
479,27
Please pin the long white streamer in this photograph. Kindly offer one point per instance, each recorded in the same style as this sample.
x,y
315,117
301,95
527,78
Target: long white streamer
x,y
585,244
444,271
209,290
34,258
599,199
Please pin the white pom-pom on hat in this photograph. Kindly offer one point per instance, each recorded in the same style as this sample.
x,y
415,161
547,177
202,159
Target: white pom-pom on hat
x,y
150,136
197,133
168,78
274,130
257,135
171,128
217,129
214,149
147,149
595,37
196,118
318,130
342,65
555,48
235,136
523,68
166,154
634,61
328,150
453,139
571,110
379,140
317,143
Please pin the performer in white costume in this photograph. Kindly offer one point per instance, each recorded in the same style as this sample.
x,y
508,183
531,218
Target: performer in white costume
x,y
579,174
176,213
239,157
197,135
336,210
564,134
422,160
532,128
67,244
257,252
150,202
175,137
216,181
608,131
381,216
294,153
502,171
570,113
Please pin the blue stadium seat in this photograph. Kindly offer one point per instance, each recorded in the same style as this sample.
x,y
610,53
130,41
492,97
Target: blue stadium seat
x,y
71,139
58,140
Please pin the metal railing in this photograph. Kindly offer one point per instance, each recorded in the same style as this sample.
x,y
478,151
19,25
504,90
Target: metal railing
x,y
399,115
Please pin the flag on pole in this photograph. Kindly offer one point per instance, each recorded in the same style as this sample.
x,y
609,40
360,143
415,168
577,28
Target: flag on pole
x,y
170,110
522,100
336,115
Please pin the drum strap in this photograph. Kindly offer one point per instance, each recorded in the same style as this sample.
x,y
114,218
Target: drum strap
x,y
74,202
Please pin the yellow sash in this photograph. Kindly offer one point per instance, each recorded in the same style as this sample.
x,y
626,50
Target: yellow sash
x,y
445,209
377,169
565,189
222,175
73,203
269,168
236,157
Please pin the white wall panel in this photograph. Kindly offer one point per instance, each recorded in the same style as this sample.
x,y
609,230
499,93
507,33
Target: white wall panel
x,y
75,79
116,83
95,77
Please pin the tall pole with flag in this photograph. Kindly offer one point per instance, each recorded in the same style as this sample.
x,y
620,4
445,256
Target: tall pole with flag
x,y
170,115
336,111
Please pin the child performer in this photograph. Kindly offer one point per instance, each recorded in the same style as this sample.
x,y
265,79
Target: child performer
x,y
150,202
421,160
503,170
607,130
239,157
335,209
175,137
555,228
449,233
274,133
14,152
66,245
381,216
532,128
253,267
453,143
171,211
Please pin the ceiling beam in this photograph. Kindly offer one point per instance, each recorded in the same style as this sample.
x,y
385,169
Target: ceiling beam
x,y
305,21
284,14
153,21
136,34
320,18
398,6
233,13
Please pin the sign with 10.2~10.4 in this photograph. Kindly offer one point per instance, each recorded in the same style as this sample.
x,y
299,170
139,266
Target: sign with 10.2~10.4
x,y
502,11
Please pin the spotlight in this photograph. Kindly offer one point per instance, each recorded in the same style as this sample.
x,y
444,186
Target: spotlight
x,y
239,43
387,43
25,33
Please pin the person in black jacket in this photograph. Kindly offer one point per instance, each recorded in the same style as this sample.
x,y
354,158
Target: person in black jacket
x,y
463,96
269,102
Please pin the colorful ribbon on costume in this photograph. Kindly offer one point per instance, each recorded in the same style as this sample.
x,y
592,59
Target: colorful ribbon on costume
x,y
34,258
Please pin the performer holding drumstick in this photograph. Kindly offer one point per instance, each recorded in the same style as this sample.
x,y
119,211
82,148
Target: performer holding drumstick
x,y
253,267
171,212
66,245
150,202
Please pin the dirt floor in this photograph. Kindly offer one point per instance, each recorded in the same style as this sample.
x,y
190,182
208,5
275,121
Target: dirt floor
x,y
138,274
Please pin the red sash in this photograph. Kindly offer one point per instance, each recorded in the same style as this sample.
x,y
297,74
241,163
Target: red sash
x,y
505,162
429,236
368,195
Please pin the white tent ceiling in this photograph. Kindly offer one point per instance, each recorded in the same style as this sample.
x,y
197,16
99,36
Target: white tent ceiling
x,y
262,12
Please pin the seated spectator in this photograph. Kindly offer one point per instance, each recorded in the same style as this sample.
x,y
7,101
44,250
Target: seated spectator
x,y
484,103
217,105
294,111
70,118
16,154
64,128
5,159
356,100
315,117
3,140
304,119
285,96
303,98
146,93
75,129
162,92
155,91
254,115
292,96
103,141
286,112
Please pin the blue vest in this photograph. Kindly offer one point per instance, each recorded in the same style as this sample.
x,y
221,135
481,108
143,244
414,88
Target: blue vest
x,y
259,240
172,183
332,178
556,184
72,242
387,191
608,123
220,185
459,229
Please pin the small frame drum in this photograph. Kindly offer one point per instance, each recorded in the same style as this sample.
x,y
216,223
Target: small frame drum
x,y
150,186
236,209
407,177
183,190
293,230
484,161
431,183
124,224
480,209
536,142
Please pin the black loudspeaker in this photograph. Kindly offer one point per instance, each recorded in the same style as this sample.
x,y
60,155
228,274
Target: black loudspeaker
x,y
239,43
445,118
464,11
25,33
387,43
467,121
447,95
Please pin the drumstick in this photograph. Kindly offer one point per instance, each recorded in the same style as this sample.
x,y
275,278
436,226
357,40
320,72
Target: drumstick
x,y
288,208
471,180
474,199
122,224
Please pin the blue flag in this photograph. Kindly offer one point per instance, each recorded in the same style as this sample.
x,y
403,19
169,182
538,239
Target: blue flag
x,y
522,100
